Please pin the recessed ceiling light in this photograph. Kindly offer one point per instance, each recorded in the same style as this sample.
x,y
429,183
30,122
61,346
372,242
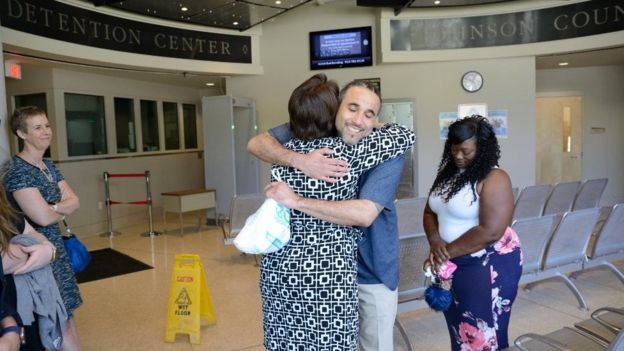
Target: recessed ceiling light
x,y
184,8
437,2
210,84
278,2
235,23
563,63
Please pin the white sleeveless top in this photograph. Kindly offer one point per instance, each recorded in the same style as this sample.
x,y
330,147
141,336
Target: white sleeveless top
x,y
458,215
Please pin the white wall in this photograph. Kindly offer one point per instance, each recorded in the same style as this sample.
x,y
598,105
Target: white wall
x,y
170,171
509,84
602,92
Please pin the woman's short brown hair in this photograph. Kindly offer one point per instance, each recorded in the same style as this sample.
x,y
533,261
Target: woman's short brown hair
x,y
21,115
312,108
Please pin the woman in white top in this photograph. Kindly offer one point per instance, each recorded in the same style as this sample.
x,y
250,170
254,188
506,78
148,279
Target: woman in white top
x,y
466,220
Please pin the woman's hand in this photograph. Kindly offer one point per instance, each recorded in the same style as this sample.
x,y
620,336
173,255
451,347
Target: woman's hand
x,y
438,254
282,193
39,255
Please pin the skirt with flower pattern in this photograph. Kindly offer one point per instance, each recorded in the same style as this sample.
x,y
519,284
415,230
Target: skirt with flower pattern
x,y
484,288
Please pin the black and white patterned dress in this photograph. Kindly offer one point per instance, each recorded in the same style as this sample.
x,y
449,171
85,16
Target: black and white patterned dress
x,y
309,288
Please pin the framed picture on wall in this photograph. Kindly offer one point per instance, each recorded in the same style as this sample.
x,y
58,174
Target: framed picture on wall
x,y
498,120
465,110
445,119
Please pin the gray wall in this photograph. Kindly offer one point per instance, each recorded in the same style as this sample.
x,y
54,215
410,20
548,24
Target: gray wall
x,y
602,92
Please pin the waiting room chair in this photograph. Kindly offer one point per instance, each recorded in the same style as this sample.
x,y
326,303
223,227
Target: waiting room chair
x,y
534,234
579,338
566,249
410,215
604,323
589,194
565,339
608,245
413,250
561,197
531,201
241,207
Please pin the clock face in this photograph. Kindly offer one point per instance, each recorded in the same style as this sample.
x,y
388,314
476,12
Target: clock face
x,y
472,81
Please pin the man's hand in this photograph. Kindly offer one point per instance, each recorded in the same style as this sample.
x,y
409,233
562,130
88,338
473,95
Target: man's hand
x,y
282,193
317,165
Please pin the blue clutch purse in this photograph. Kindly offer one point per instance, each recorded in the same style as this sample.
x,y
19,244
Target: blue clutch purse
x,y
438,298
78,254
438,295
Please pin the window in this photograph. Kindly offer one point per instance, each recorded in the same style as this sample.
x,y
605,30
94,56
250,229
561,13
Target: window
x,y
124,125
38,100
172,126
190,126
85,122
149,125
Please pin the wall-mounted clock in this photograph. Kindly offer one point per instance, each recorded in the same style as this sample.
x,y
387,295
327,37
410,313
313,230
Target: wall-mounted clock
x,y
472,81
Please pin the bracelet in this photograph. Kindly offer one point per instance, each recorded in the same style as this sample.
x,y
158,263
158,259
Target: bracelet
x,y
12,329
15,329
53,249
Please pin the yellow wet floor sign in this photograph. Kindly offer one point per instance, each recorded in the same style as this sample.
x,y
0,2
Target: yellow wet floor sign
x,y
189,299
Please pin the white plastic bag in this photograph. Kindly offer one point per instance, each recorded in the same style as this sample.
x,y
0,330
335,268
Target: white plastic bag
x,y
265,231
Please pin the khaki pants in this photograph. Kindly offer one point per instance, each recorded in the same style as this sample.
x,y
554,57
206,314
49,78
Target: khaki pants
x,y
377,308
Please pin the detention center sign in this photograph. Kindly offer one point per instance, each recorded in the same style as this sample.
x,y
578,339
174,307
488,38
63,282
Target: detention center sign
x,y
55,20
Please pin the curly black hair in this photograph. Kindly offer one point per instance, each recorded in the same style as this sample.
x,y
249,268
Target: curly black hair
x,y
449,180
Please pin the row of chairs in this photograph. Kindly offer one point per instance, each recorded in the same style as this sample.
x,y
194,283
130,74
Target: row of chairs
x,y
553,246
538,200
556,245
532,201
603,331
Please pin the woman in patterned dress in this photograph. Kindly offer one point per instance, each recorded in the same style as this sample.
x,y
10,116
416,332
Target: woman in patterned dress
x,y
38,189
466,220
309,288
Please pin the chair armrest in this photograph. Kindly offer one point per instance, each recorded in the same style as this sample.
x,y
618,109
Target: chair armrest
x,y
539,338
596,316
223,223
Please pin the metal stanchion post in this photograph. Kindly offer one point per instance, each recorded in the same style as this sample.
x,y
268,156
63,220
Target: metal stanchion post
x,y
109,216
151,231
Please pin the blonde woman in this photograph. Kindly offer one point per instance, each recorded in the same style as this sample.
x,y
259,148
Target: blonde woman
x,y
38,189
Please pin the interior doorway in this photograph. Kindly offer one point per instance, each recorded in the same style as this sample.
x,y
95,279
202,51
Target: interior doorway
x,y
559,139
401,111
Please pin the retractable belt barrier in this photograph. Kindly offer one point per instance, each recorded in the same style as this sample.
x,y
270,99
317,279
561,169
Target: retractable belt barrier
x,y
110,203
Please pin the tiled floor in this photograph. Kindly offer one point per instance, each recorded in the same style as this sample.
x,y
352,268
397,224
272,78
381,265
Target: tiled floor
x,y
129,312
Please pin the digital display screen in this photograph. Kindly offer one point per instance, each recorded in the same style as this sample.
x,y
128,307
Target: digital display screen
x,y
340,48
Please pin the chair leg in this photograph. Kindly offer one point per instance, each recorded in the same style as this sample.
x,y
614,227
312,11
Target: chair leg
x,y
614,269
569,283
575,291
606,264
406,339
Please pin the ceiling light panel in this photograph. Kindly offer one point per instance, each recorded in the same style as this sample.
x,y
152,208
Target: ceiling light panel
x,y
213,13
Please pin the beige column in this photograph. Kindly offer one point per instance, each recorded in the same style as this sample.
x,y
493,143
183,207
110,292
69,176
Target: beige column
x,y
4,128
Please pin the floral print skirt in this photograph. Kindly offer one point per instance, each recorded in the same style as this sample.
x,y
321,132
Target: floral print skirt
x,y
484,288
